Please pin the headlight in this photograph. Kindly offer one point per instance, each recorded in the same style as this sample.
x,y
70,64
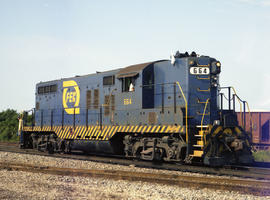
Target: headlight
x,y
215,67
191,63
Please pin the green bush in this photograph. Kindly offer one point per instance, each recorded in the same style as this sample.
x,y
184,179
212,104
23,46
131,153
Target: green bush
x,y
8,125
262,156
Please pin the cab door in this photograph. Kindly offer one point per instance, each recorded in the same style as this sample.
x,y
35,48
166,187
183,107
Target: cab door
x,y
148,87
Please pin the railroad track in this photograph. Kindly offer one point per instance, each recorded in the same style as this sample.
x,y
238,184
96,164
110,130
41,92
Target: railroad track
x,y
232,171
254,187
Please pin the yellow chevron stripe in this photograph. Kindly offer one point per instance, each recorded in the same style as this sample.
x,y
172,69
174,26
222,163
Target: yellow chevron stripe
x,y
182,129
77,129
66,133
128,129
55,128
135,128
119,129
131,128
83,132
80,132
62,132
98,130
153,129
106,132
162,129
109,128
139,130
59,130
87,133
157,129
114,129
73,133
102,131
172,129
148,129
144,128
97,133
92,132
110,132
123,130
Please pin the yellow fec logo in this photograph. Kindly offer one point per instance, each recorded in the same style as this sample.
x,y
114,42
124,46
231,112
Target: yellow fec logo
x,y
71,97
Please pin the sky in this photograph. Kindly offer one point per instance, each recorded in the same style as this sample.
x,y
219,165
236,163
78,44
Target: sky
x,y
42,40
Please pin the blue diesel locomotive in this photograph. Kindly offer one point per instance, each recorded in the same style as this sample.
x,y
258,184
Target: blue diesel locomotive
x,y
168,110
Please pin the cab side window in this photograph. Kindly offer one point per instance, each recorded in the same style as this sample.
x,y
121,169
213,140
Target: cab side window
x,y
128,84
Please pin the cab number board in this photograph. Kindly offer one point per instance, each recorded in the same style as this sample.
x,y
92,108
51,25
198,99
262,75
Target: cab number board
x,y
199,70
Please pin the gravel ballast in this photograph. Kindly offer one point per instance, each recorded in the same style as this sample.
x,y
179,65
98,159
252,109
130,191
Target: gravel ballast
x,y
25,185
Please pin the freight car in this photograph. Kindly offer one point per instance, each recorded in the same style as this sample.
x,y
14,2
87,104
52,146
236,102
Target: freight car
x,y
167,110
258,123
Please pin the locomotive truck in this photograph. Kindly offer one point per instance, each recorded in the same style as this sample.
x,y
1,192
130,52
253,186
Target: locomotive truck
x,y
165,110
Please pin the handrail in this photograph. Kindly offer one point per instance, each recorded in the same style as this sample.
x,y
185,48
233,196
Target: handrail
x,y
239,100
204,112
186,105
250,116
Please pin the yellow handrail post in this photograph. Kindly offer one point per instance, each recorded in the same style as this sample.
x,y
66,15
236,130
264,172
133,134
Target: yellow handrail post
x,y
204,112
180,88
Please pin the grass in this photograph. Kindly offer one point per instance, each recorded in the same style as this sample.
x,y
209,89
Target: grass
x,y
262,156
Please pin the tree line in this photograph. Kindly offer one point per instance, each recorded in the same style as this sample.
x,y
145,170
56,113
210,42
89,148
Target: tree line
x,y
9,125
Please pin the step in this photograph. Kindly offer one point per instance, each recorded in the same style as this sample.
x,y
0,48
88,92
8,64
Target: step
x,y
203,126
198,135
197,153
197,145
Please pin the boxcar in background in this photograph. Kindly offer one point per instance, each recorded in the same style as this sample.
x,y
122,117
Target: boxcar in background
x,y
260,129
